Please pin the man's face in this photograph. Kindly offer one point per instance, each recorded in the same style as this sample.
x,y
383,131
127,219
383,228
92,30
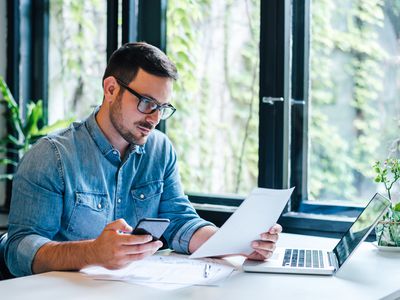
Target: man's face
x,y
133,125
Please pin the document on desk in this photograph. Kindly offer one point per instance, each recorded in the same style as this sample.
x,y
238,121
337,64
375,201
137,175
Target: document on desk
x,y
258,212
166,272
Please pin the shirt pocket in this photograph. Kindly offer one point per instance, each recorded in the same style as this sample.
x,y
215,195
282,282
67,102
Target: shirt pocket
x,y
89,215
146,198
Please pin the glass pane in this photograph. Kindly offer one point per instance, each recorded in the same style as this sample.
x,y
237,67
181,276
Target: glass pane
x,y
355,88
215,45
77,57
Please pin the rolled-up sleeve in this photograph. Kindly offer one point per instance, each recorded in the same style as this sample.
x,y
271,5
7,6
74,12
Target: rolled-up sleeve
x,y
176,206
182,237
36,207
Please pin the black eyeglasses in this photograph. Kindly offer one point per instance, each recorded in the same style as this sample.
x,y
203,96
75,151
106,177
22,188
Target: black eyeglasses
x,y
147,105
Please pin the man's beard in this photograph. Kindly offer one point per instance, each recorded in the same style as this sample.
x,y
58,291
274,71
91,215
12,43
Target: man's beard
x,y
116,119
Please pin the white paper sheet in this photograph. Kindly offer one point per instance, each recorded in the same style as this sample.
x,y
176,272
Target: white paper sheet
x,y
258,212
166,272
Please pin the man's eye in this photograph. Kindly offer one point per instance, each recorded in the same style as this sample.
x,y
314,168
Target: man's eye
x,y
147,100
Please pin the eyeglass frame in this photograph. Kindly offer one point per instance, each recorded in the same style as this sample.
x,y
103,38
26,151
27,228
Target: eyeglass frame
x,y
142,98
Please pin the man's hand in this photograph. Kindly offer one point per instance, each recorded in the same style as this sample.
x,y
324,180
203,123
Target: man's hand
x,y
265,246
113,249
116,247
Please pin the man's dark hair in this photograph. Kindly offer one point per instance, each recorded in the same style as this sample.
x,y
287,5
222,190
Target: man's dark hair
x,y
125,62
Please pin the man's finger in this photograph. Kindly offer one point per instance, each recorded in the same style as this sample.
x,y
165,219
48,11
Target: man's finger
x,y
135,239
276,229
142,248
119,225
134,257
256,256
262,245
264,253
269,237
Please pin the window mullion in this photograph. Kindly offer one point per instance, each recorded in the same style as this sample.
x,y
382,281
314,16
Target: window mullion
x,y
274,85
13,75
40,54
152,20
112,27
299,115
129,21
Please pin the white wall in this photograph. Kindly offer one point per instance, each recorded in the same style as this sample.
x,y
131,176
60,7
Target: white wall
x,y
3,64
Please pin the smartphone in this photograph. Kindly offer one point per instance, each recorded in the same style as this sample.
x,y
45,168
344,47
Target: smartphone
x,y
153,226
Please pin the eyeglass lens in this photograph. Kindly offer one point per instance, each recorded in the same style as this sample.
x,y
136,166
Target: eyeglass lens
x,y
148,106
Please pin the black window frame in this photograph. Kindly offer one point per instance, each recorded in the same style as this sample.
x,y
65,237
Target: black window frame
x,y
27,59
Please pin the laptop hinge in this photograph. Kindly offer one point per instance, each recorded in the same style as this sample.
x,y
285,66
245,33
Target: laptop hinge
x,y
333,260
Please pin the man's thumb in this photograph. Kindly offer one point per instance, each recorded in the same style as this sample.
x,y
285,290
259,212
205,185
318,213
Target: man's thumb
x,y
120,225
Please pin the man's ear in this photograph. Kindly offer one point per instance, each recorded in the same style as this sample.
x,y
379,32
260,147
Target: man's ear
x,y
110,88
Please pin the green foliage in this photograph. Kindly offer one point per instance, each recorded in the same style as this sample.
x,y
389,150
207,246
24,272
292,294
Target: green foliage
x,y
77,53
215,135
25,132
346,75
346,56
388,229
388,173
182,49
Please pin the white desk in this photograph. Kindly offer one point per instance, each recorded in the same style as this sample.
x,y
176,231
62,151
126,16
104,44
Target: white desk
x,y
370,274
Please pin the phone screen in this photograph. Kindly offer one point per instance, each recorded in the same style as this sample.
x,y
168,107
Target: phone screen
x,y
153,226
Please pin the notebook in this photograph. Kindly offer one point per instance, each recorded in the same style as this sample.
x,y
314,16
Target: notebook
x,y
318,261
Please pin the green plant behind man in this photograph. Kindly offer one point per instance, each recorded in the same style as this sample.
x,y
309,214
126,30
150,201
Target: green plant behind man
x,y
24,131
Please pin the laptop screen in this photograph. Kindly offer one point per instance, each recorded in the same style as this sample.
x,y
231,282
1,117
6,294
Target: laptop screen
x,y
361,228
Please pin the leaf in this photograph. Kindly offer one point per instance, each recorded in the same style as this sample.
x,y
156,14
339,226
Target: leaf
x,y
11,139
397,207
4,149
34,115
377,179
13,109
8,97
57,125
6,176
6,161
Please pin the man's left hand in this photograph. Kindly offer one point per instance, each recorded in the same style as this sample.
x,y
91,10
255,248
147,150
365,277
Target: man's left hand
x,y
265,246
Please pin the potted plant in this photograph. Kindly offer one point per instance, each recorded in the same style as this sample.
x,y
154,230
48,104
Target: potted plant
x,y
24,131
388,229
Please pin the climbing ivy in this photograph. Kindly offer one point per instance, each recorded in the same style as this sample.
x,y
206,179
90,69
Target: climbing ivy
x,y
215,131
347,133
347,82
77,56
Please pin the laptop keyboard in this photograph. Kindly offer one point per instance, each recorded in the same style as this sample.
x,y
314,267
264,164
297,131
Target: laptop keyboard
x,y
303,258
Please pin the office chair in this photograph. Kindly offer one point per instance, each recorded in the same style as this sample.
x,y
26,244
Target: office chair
x,y
4,272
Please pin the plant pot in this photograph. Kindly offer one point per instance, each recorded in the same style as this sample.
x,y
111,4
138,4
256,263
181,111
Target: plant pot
x,y
388,230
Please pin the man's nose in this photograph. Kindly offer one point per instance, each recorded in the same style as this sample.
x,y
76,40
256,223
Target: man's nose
x,y
154,118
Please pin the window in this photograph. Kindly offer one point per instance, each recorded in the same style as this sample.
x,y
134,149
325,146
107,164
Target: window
x,y
77,57
215,45
354,100
272,93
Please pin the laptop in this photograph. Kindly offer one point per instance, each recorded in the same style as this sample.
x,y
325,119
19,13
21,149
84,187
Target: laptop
x,y
322,262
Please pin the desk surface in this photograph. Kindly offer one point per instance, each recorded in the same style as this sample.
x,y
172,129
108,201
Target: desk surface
x,y
369,274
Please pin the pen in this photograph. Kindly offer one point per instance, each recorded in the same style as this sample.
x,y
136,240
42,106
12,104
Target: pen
x,y
207,268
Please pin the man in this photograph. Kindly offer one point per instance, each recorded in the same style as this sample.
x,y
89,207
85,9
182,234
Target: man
x,y
77,193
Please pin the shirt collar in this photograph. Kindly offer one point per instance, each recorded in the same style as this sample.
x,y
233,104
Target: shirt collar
x,y
100,139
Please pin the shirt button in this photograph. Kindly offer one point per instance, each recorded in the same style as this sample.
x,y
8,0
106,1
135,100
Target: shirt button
x,y
141,196
115,152
119,200
99,205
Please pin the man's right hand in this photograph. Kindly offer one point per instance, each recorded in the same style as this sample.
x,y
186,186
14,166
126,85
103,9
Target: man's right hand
x,y
113,249
116,247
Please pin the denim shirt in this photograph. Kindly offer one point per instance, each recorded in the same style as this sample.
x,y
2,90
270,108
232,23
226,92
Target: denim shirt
x,y
69,185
